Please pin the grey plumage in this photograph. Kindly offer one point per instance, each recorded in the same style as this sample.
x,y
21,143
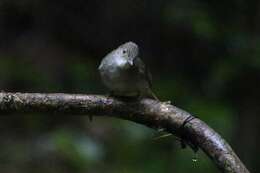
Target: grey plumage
x,y
124,73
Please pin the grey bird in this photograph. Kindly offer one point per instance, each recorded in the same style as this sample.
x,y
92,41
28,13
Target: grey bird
x,y
124,73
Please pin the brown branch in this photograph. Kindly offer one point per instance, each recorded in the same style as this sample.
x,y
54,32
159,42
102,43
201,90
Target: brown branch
x,y
148,112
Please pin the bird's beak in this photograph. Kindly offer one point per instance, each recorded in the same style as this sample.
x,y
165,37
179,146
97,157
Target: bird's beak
x,y
131,62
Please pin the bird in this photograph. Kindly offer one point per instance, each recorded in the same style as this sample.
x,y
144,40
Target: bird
x,y
125,74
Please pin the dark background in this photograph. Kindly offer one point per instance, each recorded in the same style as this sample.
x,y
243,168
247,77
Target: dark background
x,y
204,57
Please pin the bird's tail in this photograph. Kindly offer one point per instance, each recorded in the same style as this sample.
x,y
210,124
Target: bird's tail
x,y
152,95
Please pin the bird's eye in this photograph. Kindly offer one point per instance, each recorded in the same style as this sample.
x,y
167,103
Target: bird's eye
x,y
124,51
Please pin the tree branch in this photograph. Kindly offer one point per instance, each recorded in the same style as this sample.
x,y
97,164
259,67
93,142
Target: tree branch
x,y
148,112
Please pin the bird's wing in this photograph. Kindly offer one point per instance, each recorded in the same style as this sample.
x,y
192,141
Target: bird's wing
x,y
143,70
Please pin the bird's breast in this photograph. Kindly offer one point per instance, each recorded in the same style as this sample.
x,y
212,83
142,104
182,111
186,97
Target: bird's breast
x,y
113,74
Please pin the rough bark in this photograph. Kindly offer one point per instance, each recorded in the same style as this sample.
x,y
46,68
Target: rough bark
x,y
148,112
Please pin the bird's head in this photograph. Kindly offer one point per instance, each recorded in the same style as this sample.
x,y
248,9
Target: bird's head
x,y
129,51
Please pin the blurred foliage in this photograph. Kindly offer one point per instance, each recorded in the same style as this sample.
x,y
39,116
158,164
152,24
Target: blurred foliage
x,y
204,57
